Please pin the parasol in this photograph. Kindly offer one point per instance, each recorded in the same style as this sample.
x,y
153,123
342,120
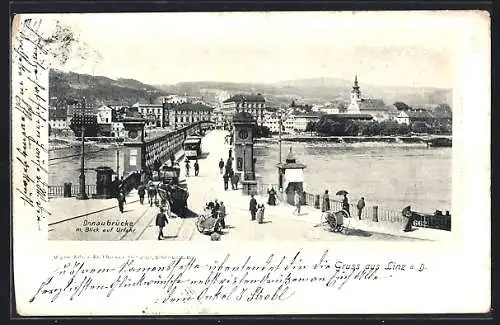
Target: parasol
x,y
341,192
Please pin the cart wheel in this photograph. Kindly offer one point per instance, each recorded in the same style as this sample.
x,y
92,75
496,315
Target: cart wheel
x,y
198,226
324,221
217,227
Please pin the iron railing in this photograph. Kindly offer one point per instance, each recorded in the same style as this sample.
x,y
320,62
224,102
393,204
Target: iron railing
x,y
74,189
372,213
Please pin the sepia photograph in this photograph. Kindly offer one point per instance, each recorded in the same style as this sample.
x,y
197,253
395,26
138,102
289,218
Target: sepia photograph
x,y
209,133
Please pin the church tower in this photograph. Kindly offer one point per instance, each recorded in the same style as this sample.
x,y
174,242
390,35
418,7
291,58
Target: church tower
x,y
355,97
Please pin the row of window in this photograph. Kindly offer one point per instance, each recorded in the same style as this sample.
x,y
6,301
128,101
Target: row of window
x,y
187,119
250,105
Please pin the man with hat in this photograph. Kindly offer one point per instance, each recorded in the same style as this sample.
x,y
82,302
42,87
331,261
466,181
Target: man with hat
x,y
161,221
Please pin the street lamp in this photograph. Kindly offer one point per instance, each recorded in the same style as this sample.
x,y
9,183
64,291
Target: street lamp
x,y
82,195
280,125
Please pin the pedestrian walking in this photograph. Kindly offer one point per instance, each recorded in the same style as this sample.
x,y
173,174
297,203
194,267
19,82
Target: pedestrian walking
x,y
196,168
226,181
253,207
271,198
187,167
221,165
326,202
152,192
345,204
260,213
407,213
229,164
230,153
216,205
296,201
360,206
235,178
121,201
161,221
141,190
222,214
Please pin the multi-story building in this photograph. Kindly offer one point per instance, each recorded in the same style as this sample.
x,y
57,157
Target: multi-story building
x,y
253,104
117,129
76,108
297,122
153,113
411,116
180,115
218,118
174,99
104,114
58,119
272,121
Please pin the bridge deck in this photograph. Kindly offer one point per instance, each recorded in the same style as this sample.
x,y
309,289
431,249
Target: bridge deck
x,y
279,224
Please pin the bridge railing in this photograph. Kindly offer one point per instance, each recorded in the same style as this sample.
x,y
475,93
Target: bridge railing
x,y
58,190
372,213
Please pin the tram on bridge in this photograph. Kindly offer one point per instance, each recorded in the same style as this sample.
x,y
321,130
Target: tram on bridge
x,y
192,147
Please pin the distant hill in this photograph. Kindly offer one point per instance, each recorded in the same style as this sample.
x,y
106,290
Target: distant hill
x,y
313,90
101,89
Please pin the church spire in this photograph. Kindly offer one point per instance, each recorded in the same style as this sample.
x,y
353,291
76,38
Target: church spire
x,y
355,89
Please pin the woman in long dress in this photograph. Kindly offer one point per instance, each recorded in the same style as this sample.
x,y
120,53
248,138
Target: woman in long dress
x,y
271,199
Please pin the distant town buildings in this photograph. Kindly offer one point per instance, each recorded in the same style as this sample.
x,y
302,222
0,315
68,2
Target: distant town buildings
x,y
58,119
297,122
375,107
153,113
180,115
272,122
253,104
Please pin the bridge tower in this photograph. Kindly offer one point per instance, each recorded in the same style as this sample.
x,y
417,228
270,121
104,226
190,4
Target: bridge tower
x,y
243,126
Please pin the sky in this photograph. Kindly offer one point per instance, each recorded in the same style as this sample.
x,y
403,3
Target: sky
x,y
383,48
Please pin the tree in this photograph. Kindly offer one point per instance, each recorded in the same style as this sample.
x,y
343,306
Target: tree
x,y
419,127
351,128
403,129
389,128
443,111
401,106
261,131
371,128
324,126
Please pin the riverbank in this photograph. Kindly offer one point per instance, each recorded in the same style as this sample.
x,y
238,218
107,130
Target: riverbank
x,y
355,139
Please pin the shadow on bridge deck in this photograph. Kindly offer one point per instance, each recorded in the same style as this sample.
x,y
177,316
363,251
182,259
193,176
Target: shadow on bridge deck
x,y
188,214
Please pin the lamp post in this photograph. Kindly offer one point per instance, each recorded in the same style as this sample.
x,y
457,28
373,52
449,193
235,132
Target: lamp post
x,y
83,194
280,125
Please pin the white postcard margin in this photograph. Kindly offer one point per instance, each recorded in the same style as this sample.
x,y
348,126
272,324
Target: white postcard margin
x,y
457,275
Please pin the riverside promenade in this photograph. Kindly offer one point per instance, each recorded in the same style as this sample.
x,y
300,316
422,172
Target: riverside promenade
x,y
100,219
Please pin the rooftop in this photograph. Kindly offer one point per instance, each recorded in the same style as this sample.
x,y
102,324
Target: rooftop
x,y
243,117
349,116
246,98
311,115
419,114
368,104
57,114
190,107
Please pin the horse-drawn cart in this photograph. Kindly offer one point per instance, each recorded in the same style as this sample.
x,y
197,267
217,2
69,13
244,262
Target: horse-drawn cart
x,y
171,190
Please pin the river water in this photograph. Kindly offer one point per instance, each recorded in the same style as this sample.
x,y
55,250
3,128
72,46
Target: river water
x,y
388,175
